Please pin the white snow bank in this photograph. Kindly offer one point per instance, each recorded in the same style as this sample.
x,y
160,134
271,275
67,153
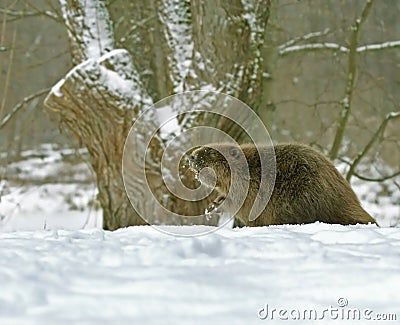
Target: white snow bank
x,y
36,202
138,275
50,206
48,188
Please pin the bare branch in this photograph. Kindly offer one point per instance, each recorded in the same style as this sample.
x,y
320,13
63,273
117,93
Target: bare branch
x,y
296,101
21,105
336,47
381,179
313,47
396,184
303,38
375,136
19,14
378,47
351,77
8,75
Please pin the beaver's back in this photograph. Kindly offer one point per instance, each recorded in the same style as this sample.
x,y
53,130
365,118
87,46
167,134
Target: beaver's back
x,y
308,188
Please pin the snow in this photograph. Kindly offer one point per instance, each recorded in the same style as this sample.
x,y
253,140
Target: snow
x,y
93,43
58,267
123,83
380,46
92,26
345,103
56,89
304,37
48,189
138,275
314,46
49,206
284,49
178,33
393,115
384,208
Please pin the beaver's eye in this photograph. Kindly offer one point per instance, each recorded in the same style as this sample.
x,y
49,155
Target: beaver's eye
x,y
212,153
234,152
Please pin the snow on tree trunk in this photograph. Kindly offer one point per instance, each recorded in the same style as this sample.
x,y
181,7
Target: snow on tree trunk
x,y
194,44
89,28
216,45
98,100
228,37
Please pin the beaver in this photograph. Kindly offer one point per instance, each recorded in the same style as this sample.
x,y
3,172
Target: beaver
x,y
307,188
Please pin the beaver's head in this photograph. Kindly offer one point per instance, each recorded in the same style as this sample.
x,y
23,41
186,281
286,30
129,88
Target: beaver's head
x,y
214,164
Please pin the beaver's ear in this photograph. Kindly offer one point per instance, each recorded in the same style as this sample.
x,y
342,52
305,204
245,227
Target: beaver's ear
x,y
212,152
234,152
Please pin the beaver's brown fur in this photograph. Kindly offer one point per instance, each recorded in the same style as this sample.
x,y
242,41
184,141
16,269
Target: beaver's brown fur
x,y
308,187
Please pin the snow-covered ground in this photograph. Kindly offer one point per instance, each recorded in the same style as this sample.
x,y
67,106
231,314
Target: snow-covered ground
x,y
48,189
140,275
55,189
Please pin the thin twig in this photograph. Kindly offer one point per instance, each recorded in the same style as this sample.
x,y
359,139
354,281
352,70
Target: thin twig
x,y
382,179
8,76
19,14
369,145
378,47
337,47
303,38
314,47
20,105
351,77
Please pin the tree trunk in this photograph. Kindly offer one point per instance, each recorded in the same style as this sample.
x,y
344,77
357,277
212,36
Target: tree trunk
x,y
228,38
100,119
103,94
97,101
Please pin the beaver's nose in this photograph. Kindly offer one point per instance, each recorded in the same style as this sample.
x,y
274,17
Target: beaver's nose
x,y
190,159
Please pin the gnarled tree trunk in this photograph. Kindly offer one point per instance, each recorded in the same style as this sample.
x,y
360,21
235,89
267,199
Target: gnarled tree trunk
x,y
98,100
100,117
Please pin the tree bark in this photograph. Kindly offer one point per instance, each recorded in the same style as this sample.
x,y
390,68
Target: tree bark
x,y
100,118
103,94
228,37
97,101
350,82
